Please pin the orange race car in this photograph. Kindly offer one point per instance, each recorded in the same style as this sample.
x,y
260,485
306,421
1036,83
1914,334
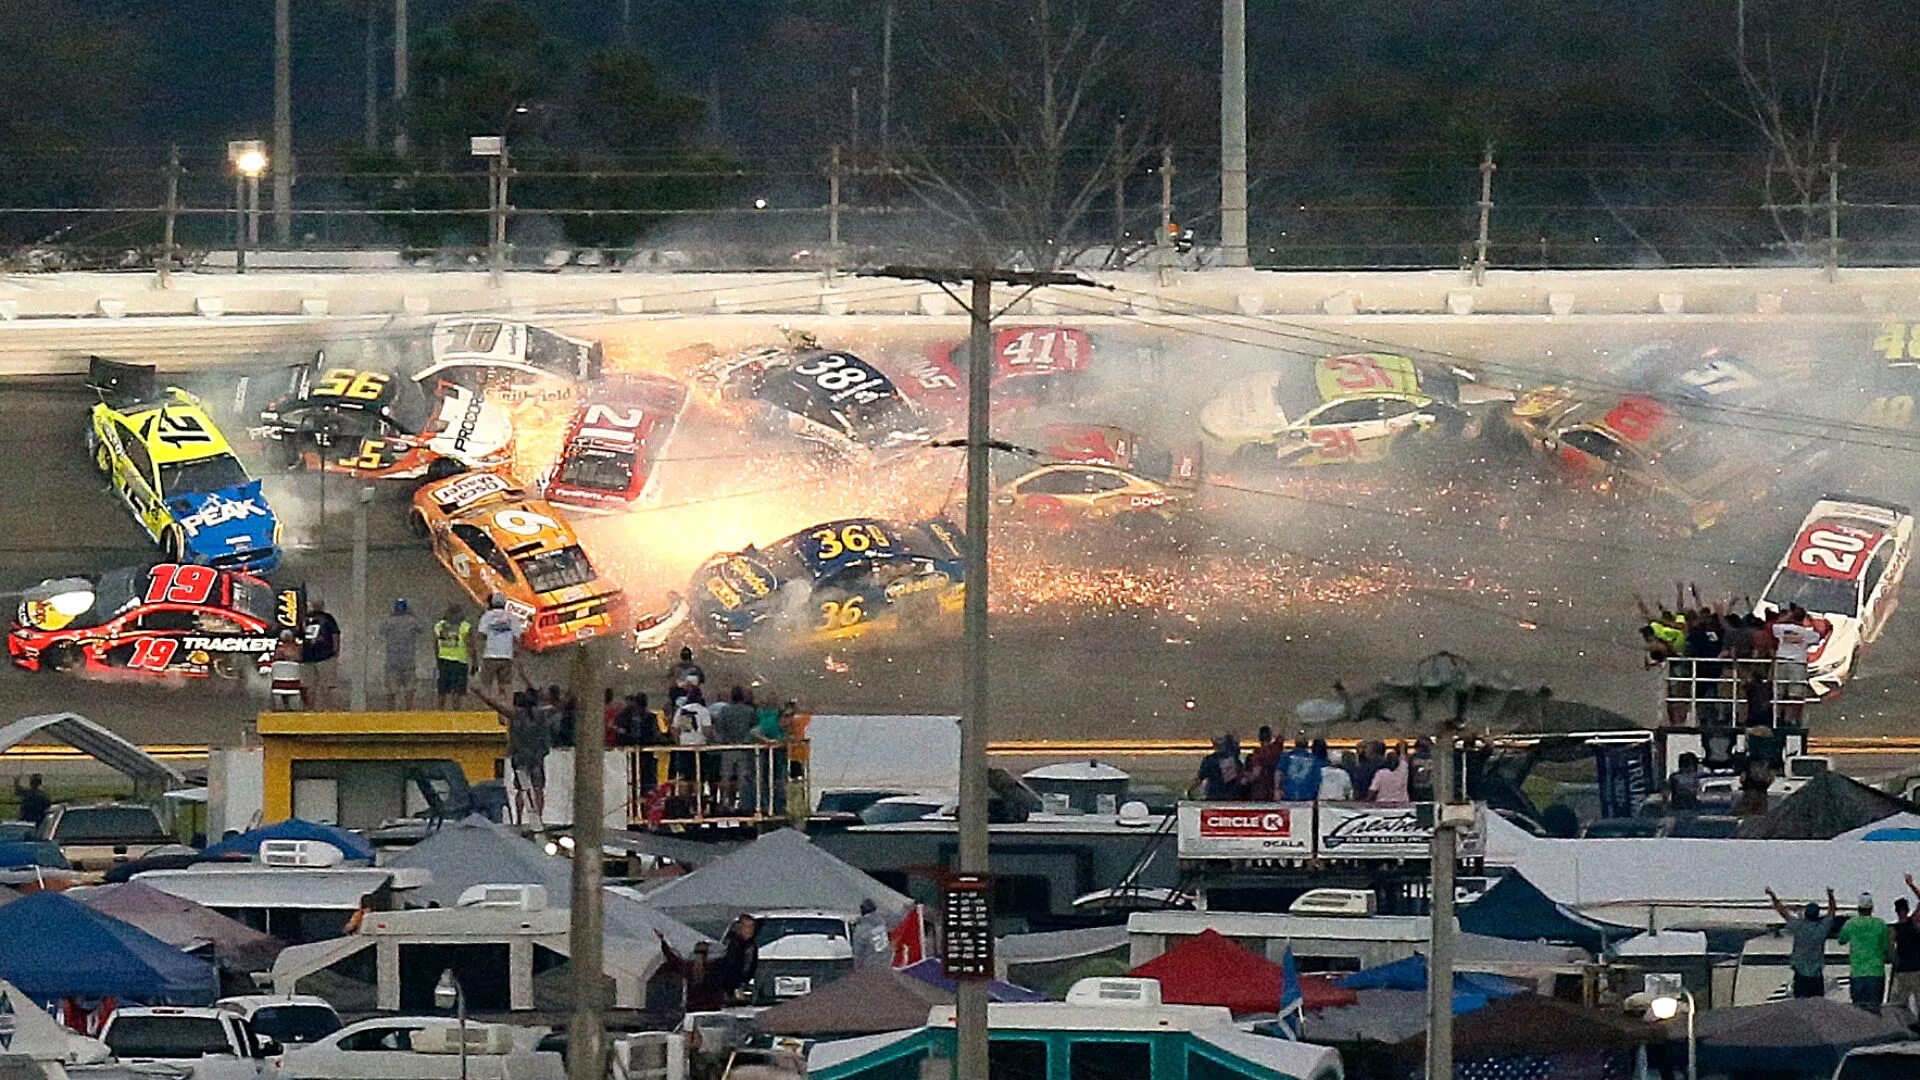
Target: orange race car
x,y
493,538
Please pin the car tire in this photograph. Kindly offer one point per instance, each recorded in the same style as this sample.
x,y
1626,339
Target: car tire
x,y
64,656
442,468
173,544
417,524
102,459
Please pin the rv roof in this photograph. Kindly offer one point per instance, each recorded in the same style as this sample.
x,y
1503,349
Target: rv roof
x,y
1241,924
1059,1016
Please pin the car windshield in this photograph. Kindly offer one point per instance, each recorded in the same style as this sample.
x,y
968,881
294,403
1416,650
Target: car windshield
x,y
886,813
115,591
1153,463
1593,444
1822,596
600,469
167,1036
83,823
774,927
290,1024
253,598
202,474
551,571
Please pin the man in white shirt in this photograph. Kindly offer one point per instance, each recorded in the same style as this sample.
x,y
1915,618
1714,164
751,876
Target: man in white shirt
x,y
1336,783
1794,639
498,628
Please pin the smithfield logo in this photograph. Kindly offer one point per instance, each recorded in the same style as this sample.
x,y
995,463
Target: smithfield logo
x,y
1375,829
1221,821
219,511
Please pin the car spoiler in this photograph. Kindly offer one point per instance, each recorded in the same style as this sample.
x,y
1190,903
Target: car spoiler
x,y
121,384
1867,500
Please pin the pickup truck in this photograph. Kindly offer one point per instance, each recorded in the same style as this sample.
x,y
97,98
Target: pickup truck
x,y
94,838
214,1044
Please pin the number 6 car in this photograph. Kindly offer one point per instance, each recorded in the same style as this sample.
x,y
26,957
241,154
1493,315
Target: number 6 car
x,y
1844,568
492,538
170,619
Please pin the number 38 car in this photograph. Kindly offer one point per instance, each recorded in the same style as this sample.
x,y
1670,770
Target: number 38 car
x,y
171,619
492,538
1096,471
376,425
1348,409
834,580
827,397
163,456
1844,568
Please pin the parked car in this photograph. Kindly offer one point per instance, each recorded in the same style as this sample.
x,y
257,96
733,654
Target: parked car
x,y
291,1020
215,1043
424,1048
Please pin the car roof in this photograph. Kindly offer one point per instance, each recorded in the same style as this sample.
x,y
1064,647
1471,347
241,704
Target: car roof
x,y
186,416
800,913
199,1012
251,1003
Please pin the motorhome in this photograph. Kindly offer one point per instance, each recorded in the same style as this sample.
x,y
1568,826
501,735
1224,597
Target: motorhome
x,y
296,902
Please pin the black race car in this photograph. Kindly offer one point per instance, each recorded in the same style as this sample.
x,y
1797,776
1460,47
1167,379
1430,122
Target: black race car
x,y
827,397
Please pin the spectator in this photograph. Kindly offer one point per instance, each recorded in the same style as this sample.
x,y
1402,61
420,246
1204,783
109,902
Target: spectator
x,y
498,628
733,722
1683,787
1367,762
871,945
1794,638
1755,779
1757,694
1809,933
562,712
1868,943
610,709
1299,774
702,991
34,802
1263,765
1336,783
288,686
320,654
692,725
400,633
1903,989
1221,775
1420,770
740,956
684,678
1389,787
529,737
452,657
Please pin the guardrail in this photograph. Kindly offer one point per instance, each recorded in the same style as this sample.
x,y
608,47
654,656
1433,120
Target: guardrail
x,y
730,785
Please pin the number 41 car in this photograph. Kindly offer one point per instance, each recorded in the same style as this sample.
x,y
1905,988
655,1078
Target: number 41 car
x,y
1844,568
171,619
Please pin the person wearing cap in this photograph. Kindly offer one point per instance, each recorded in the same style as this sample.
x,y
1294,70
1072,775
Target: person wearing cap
x,y
871,946
1869,943
320,655
288,685
498,629
1809,932
400,632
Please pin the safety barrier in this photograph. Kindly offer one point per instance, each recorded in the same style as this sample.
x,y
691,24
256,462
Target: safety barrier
x,y
1700,692
730,785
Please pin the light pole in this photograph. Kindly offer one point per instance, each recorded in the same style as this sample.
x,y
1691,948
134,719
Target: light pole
x,y
1667,994
449,994
357,697
494,149
248,157
1233,132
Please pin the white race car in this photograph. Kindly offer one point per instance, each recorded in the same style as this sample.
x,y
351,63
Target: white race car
x,y
1844,568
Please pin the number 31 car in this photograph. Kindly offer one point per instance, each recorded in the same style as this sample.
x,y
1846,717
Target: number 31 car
x,y
492,538
835,580
1844,568
171,619
1353,409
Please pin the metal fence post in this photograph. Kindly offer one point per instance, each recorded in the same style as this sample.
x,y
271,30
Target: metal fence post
x,y
169,215
834,174
1163,242
1833,211
1486,213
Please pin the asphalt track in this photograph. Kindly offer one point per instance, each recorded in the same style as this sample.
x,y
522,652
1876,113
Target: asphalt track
x,y
1283,584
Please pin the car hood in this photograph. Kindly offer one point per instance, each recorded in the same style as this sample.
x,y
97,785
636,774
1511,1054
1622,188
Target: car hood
x,y
470,427
1840,636
234,518
1246,411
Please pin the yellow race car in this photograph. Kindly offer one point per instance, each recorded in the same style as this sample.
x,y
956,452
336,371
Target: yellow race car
x,y
1340,410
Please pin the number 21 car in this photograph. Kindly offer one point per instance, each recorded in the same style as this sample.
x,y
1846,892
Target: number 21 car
x,y
1844,568
1344,410
492,538
170,619
613,445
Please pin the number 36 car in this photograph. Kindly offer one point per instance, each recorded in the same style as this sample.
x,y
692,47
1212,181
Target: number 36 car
x,y
492,538
835,580
171,619
1844,568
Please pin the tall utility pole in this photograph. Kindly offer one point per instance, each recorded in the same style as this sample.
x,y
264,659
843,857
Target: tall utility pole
x,y
886,75
1233,132
587,1035
283,122
362,673
970,1004
370,117
1487,168
169,217
400,66
1163,241
1440,949
1833,211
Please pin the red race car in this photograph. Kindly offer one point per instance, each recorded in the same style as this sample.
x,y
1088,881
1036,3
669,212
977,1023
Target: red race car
x,y
170,619
1026,362
614,442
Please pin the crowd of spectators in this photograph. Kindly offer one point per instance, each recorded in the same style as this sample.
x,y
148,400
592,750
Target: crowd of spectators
x,y
1371,772
1747,667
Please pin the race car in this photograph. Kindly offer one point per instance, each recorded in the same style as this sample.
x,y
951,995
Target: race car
x,y
1844,567
374,424
827,397
614,443
835,580
171,619
476,352
1657,438
164,456
1342,410
493,539
1096,471
1027,363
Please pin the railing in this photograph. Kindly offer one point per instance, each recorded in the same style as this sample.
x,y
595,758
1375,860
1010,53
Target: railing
x,y
1734,693
739,785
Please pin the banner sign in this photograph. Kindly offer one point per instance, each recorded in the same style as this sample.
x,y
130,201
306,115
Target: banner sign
x,y
1626,777
1307,830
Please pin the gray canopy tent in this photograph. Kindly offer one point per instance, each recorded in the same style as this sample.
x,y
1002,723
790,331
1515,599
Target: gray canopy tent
x,y
149,774
779,870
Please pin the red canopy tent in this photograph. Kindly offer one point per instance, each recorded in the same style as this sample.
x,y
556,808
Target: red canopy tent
x,y
1207,969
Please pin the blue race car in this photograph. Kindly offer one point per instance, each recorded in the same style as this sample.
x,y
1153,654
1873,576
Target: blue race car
x,y
833,581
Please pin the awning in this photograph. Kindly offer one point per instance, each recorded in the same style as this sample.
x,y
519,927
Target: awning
x,y
96,742
258,887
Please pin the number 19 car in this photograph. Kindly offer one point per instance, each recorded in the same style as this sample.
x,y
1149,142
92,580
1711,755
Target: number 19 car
x,y
1844,568
170,619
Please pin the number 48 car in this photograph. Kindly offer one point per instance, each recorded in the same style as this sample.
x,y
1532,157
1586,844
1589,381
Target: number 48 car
x,y
1844,568
171,619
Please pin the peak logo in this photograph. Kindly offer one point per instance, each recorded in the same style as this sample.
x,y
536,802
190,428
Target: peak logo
x,y
1248,821
219,511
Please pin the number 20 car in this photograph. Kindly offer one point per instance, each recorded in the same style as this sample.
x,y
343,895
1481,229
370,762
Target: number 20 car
x,y
492,538
170,619
835,580
1353,409
1844,568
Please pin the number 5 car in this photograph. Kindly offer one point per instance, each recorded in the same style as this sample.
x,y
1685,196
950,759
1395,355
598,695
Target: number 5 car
x,y
1844,568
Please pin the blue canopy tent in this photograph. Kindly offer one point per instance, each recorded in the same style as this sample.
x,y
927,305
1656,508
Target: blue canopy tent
x,y
1471,990
59,948
1517,910
248,843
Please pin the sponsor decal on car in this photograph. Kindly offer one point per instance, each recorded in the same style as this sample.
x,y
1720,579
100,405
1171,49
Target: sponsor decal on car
x,y
218,511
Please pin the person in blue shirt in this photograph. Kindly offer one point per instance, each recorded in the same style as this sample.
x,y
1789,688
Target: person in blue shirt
x,y
1299,774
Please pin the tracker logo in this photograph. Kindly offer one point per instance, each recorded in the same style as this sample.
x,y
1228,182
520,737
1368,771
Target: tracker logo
x,y
207,643
1220,821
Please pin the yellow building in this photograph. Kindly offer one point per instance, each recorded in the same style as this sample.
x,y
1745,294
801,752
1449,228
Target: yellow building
x,y
357,769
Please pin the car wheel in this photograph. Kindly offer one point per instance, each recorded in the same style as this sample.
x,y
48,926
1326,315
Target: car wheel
x,y
174,544
102,458
65,656
417,524
441,469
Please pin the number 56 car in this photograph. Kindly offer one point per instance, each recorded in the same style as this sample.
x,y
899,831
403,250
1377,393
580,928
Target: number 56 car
x,y
170,619
1844,568
836,580
492,538
374,424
